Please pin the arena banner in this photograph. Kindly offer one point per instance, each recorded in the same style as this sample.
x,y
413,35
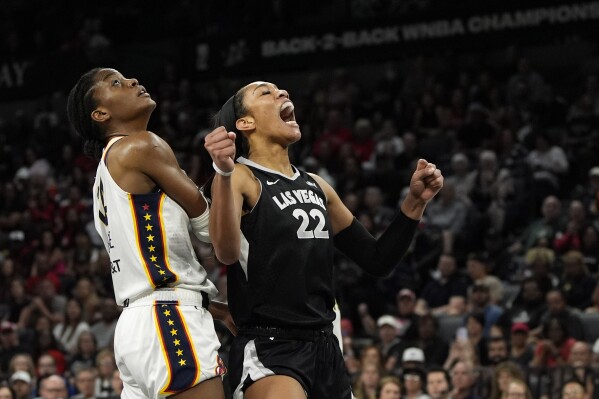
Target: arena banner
x,y
344,43
374,42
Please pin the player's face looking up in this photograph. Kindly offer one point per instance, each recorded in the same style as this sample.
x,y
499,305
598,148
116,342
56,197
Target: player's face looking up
x,y
269,112
118,98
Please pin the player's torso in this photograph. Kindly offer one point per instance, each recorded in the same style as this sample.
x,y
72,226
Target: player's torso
x,y
285,269
147,238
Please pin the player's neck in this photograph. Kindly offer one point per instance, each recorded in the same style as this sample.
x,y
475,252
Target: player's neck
x,y
275,159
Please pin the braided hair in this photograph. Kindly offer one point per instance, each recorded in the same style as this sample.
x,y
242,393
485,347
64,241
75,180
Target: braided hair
x,y
80,105
232,110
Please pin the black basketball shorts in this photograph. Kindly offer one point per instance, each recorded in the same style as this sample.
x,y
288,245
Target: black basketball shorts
x,y
312,357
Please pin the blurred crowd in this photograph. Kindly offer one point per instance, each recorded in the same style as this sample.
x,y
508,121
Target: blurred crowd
x,y
497,297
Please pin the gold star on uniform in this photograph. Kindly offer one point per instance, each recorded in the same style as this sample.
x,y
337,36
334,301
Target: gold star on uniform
x,y
176,342
182,362
161,272
167,312
148,227
151,248
147,216
154,259
150,237
180,352
173,332
170,322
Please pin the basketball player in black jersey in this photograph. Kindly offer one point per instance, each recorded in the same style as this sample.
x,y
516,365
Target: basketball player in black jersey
x,y
277,227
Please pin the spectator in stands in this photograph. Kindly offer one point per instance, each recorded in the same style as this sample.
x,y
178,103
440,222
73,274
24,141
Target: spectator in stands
x,y
67,332
590,248
105,364
549,166
53,387
389,388
594,307
518,389
462,381
580,362
448,214
462,177
437,383
22,383
574,389
413,380
497,351
520,350
576,282
477,266
539,262
7,392
21,362
546,226
388,342
446,283
503,374
10,344
85,380
553,349
477,132
479,301
571,238
428,339
366,385
557,307
406,314
85,356
412,358
103,329
117,385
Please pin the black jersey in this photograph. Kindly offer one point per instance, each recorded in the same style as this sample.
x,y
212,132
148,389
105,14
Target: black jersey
x,y
284,276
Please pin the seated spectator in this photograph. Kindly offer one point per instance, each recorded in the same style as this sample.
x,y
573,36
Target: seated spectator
x,y
366,385
446,283
7,392
590,248
477,266
529,305
549,166
554,346
479,301
461,177
576,283
520,351
10,344
85,356
388,342
85,380
389,388
571,238
574,389
497,351
413,382
448,214
539,262
103,329
117,385
437,383
546,226
105,364
53,387
462,379
594,306
556,307
518,389
428,339
68,331
503,374
22,383
412,358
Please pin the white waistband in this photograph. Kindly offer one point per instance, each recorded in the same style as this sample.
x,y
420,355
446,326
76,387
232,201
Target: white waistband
x,y
184,297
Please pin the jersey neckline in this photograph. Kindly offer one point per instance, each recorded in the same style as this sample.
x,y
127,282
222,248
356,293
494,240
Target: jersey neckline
x,y
253,164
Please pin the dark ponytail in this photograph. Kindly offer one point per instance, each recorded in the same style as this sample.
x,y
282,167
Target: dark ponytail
x,y
232,110
80,105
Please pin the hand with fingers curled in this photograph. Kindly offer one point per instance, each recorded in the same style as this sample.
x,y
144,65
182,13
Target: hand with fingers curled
x,y
426,182
220,144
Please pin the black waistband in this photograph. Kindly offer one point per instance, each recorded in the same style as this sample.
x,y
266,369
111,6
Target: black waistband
x,y
205,301
304,334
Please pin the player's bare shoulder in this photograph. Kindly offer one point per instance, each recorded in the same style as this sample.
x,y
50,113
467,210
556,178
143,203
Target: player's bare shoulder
x,y
141,147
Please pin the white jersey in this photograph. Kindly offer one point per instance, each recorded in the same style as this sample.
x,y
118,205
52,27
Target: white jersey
x,y
147,238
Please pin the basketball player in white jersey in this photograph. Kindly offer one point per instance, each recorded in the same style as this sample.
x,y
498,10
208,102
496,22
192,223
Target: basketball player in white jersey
x,y
144,207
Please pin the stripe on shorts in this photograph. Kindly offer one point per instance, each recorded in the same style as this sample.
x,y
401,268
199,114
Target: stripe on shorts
x,y
181,360
146,211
